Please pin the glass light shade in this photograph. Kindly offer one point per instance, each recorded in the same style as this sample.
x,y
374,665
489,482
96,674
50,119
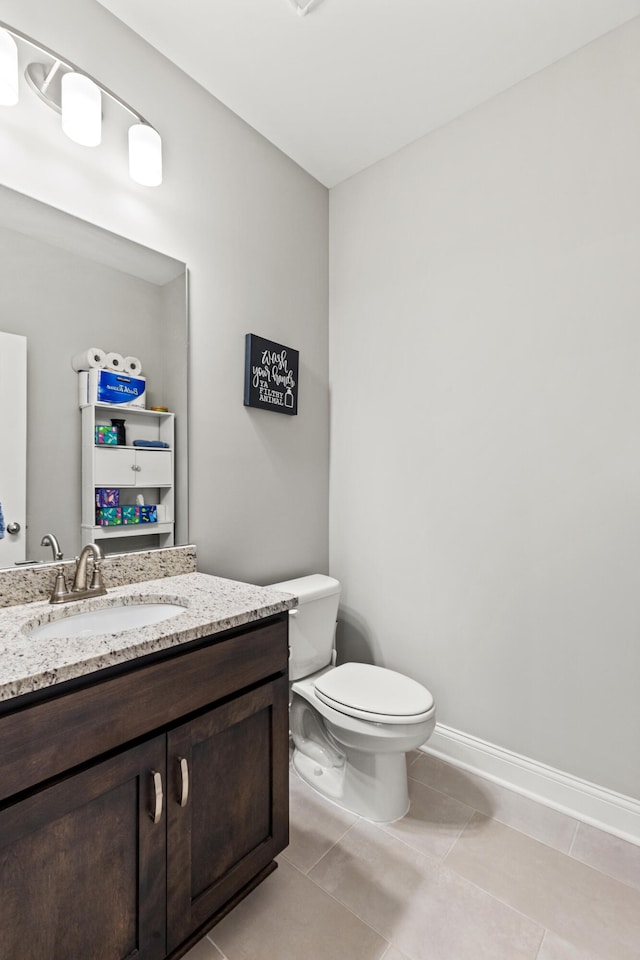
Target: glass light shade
x,y
81,109
145,155
8,70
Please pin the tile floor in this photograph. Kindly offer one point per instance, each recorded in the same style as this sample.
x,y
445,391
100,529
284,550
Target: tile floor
x,y
473,872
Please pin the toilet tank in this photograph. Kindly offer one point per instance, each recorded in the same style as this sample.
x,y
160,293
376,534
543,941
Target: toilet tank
x,y
312,624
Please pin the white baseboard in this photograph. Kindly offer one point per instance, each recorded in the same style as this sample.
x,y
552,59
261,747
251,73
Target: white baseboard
x,y
602,808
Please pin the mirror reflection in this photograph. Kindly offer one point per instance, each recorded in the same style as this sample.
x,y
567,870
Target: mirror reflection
x,y
65,286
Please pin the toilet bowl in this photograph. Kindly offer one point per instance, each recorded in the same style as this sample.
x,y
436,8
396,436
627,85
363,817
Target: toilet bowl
x,y
351,725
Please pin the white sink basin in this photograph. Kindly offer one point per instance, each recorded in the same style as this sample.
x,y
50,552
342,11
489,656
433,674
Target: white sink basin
x,y
113,619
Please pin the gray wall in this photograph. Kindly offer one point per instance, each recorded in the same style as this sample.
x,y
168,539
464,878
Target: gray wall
x,y
253,228
484,373
64,303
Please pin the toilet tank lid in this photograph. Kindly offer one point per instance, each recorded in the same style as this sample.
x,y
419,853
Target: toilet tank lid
x,y
309,588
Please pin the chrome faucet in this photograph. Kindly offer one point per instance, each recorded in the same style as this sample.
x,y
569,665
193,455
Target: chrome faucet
x,y
80,590
50,540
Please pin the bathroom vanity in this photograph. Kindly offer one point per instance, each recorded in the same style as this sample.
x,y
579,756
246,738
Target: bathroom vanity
x,y
143,776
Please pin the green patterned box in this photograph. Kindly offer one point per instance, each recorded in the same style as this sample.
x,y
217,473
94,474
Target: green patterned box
x,y
130,514
106,436
109,516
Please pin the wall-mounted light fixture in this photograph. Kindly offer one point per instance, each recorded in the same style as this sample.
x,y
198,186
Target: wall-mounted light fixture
x,y
77,96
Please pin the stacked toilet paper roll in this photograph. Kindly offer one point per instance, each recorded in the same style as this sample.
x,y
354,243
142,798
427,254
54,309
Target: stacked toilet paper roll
x,y
88,359
132,366
95,357
114,361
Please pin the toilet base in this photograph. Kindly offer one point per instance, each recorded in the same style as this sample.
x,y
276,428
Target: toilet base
x,y
371,785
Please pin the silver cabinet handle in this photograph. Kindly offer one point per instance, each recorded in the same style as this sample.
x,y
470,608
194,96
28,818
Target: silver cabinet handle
x,y
158,796
13,528
184,781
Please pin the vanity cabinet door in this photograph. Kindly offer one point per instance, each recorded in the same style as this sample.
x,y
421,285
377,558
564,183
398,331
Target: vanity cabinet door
x,y
82,865
230,820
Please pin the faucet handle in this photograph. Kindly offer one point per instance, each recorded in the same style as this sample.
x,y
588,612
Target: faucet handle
x,y
60,590
97,581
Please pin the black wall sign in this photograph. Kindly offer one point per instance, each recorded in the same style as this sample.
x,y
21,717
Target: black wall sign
x,y
270,375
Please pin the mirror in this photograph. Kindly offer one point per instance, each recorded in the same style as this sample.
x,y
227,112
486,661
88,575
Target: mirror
x,y
67,285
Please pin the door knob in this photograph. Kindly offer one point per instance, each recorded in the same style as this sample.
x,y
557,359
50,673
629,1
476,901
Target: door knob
x,y
13,528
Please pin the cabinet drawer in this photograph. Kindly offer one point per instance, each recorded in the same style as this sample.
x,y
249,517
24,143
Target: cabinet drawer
x,y
44,740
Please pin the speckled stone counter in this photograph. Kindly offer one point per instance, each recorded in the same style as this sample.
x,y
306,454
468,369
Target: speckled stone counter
x,y
212,605
25,584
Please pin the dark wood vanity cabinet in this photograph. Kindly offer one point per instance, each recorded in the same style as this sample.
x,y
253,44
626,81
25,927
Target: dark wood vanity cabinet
x,y
226,833
82,866
137,848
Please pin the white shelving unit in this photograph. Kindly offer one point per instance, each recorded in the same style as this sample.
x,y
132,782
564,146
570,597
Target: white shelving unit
x,y
133,470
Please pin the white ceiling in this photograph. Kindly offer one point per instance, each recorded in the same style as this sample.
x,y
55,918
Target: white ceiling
x,y
355,80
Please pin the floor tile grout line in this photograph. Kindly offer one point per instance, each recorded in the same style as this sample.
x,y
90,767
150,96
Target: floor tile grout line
x,y
215,946
550,846
458,835
558,933
573,840
531,836
430,856
473,777
353,913
503,903
323,855
449,796
473,810
506,823
439,866
544,937
532,799
605,873
380,826
390,946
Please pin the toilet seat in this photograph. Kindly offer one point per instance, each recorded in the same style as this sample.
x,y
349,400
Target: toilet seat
x,y
374,693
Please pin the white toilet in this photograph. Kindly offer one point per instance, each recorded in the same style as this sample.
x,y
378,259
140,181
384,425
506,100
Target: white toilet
x,y
351,725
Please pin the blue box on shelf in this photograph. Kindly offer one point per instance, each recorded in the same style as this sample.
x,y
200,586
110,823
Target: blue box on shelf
x,y
107,497
149,513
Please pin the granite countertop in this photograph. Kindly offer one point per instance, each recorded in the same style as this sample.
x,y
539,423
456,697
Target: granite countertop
x,y
213,605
